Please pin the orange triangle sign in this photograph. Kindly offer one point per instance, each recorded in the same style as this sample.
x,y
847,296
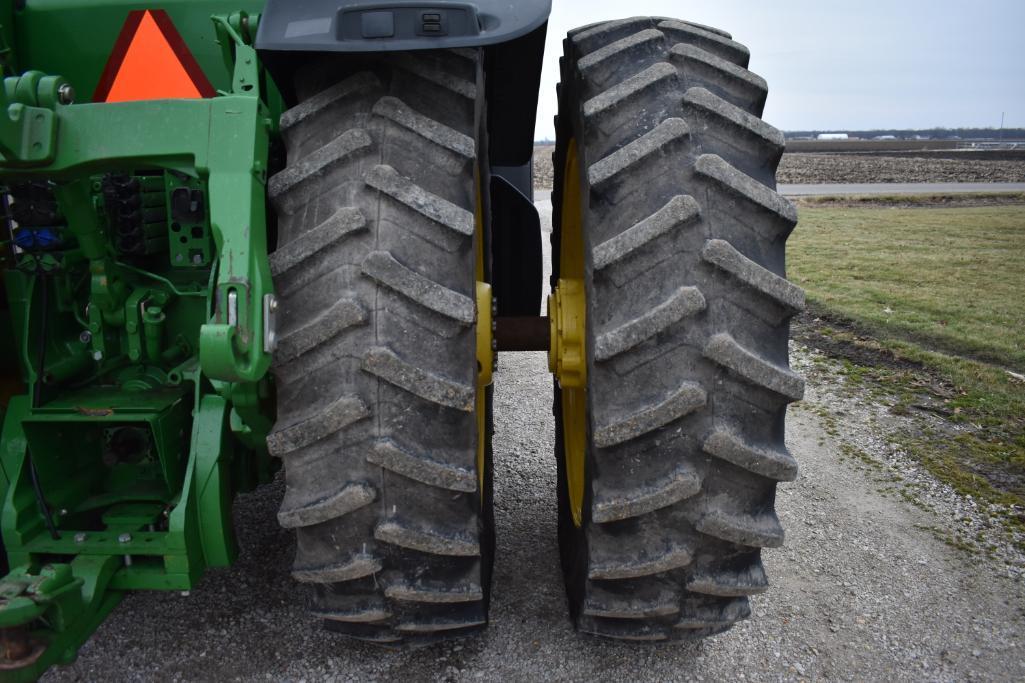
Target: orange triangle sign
x,y
151,62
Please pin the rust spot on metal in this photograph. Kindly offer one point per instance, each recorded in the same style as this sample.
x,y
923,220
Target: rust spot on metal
x,y
94,412
18,648
522,333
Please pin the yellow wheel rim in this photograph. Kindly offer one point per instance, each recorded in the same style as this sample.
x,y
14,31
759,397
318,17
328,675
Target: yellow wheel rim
x,y
485,337
567,311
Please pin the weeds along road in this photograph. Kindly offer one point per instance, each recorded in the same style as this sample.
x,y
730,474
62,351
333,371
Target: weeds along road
x,y
867,586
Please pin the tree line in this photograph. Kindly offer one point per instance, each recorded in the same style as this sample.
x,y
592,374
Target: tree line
x,y
910,134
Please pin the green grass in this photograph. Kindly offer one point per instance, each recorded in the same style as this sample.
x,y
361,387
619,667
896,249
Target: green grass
x,y
927,307
951,279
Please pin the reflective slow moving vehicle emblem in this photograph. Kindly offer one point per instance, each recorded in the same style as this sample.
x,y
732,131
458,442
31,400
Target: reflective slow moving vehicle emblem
x,y
150,61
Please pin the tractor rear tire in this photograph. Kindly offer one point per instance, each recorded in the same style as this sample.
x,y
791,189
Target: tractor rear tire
x,y
687,326
376,368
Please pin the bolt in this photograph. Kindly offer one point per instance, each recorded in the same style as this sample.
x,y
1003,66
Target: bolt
x,y
197,259
66,94
124,538
80,537
85,336
97,355
273,304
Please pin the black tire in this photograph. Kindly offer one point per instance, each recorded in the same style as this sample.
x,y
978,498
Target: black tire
x,y
376,366
688,316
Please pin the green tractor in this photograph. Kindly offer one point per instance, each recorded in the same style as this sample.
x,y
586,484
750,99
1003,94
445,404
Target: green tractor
x,y
245,235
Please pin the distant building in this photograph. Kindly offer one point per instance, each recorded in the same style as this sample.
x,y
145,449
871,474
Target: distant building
x,y
831,136
885,137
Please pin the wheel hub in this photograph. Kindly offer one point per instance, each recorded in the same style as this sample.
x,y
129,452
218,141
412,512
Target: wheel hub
x,y
567,354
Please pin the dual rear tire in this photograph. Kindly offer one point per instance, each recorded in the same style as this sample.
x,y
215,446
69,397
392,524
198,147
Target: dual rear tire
x,y
682,236
382,425
678,239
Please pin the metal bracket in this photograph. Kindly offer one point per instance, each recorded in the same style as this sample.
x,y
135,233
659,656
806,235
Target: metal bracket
x,y
270,323
28,123
73,598
28,135
567,357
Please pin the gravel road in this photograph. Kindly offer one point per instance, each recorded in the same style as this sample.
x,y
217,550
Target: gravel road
x,y
865,588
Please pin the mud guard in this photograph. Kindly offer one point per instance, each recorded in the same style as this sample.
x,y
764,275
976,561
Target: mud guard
x,y
516,250
382,26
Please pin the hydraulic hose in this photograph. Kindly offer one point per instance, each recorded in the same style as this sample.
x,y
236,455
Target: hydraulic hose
x,y
37,388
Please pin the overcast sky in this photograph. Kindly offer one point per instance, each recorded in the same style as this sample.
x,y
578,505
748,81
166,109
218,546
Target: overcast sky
x,y
851,65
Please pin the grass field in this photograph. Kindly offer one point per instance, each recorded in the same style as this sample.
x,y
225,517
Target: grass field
x,y
929,304
951,279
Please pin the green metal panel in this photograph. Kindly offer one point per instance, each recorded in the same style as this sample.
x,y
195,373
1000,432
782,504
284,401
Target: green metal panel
x,y
74,38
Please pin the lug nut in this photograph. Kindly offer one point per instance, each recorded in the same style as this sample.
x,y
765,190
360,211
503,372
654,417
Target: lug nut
x,y
124,538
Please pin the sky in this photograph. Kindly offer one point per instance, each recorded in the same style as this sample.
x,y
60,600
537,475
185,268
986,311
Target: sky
x,y
850,65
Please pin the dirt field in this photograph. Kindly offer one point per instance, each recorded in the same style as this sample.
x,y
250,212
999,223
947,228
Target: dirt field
x,y
858,168
849,168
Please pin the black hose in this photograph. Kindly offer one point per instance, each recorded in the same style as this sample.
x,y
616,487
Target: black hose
x,y
44,295
44,509
37,388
